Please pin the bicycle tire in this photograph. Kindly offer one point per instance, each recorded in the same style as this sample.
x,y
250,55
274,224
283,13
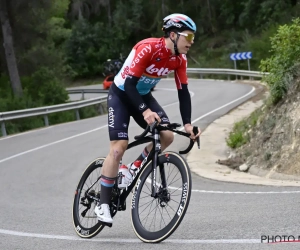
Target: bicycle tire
x,y
154,237
82,230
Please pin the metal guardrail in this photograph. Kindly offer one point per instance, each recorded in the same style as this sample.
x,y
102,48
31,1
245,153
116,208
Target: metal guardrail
x,y
228,72
11,115
86,91
18,114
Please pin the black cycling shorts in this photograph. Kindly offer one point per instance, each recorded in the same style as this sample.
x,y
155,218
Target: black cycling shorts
x,y
120,109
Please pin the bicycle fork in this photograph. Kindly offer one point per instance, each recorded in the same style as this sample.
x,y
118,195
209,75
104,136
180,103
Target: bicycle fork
x,y
157,151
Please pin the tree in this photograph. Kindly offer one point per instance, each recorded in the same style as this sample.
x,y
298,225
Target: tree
x,y
9,50
85,8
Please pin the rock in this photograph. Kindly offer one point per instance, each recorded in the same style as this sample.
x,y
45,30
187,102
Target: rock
x,y
244,167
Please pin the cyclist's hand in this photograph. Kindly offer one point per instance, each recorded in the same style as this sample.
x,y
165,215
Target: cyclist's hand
x,y
150,116
189,129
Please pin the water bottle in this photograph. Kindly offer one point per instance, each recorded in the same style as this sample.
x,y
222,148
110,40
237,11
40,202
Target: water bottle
x,y
123,176
134,168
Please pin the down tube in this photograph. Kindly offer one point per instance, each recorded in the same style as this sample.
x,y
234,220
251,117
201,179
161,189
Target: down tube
x,y
127,191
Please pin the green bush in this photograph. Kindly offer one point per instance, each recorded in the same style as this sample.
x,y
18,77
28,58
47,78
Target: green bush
x,y
88,47
237,136
40,89
19,125
285,48
45,88
240,133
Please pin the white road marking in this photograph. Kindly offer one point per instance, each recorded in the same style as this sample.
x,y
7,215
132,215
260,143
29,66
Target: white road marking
x,y
231,192
240,98
93,130
52,143
23,133
117,240
245,192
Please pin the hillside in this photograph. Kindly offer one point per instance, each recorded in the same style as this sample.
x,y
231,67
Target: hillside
x,y
273,138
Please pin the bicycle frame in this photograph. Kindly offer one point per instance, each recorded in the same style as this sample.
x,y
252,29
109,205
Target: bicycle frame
x,y
153,155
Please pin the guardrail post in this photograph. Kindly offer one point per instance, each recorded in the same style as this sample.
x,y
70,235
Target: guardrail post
x,y
46,121
3,130
77,115
201,76
228,77
101,109
82,94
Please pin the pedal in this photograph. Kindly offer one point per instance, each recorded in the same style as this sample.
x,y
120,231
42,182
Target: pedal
x,y
122,207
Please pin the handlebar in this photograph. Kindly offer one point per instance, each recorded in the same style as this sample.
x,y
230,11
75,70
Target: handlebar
x,y
171,127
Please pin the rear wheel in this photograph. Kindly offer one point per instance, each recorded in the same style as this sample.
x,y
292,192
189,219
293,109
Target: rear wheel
x,y
87,192
154,219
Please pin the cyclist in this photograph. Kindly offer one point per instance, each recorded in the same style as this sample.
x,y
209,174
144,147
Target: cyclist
x,y
130,95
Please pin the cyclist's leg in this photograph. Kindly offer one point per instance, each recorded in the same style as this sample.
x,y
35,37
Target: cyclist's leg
x,y
166,137
118,120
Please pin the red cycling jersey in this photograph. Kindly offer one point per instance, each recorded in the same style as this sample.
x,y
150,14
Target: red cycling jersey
x,y
150,60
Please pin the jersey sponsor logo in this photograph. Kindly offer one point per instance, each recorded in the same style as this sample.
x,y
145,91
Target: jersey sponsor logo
x,y
140,55
148,80
125,72
122,135
142,106
111,117
172,23
160,72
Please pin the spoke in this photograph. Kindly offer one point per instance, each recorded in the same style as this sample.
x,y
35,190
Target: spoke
x,y
178,189
175,201
168,212
175,194
154,217
169,175
172,208
148,214
152,209
151,202
162,218
179,178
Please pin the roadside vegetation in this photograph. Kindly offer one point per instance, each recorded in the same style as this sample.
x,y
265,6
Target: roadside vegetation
x,y
283,81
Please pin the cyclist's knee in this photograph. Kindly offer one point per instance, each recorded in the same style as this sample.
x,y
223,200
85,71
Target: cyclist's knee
x,y
117,149
167,137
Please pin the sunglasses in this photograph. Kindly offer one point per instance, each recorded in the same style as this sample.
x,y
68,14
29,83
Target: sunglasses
x,y
189,37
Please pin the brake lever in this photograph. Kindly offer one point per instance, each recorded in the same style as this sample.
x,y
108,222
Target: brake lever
x,y
196,131
153,125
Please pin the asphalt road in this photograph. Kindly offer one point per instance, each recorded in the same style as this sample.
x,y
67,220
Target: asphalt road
x,y
40,169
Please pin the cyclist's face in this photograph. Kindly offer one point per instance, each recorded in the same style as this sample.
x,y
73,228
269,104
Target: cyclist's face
x,y
185,41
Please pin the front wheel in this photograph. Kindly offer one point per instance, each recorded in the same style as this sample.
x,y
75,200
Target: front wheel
x,y
154,219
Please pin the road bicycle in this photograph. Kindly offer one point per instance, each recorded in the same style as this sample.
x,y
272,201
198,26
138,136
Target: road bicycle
x,y
161,191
